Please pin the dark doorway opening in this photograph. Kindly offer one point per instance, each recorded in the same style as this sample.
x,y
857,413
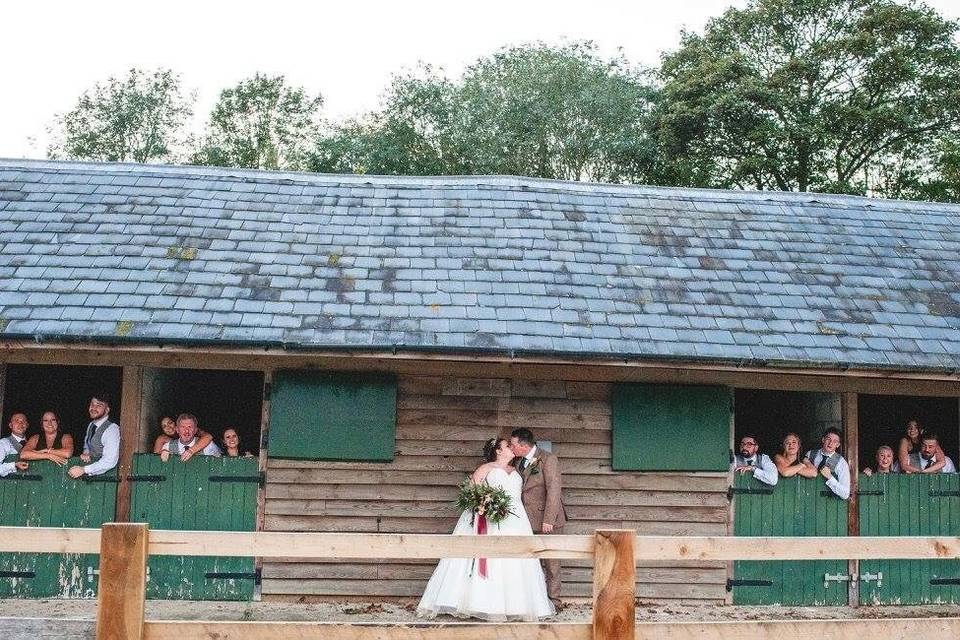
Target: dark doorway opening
x,y
770,415
219,399
64,389
883,421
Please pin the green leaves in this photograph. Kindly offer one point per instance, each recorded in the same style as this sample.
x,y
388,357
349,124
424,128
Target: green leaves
x,y
552,112
261,123
137,118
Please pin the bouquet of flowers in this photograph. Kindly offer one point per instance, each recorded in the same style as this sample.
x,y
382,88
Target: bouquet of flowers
x,y
485,504
490,503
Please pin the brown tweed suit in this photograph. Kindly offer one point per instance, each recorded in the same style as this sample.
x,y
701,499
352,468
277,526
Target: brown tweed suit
x,y
544,504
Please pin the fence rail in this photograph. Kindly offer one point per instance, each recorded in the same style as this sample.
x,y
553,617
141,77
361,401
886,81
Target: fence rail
x,y
124,549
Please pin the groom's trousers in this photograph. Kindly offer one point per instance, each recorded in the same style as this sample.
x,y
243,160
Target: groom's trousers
x,y
551,571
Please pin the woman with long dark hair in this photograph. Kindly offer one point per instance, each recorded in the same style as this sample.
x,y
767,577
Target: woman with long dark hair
x,y
50,444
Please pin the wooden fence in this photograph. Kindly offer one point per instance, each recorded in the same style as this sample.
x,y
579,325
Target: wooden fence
x,y
124,549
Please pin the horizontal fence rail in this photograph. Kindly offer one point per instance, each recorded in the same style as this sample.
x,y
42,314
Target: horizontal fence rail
x,y
269,545
124,549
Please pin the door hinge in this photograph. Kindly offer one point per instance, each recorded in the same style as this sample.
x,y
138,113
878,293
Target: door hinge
x,y
23,477
92,574
836,577
763,491
146,478
747,583
260,479
256,576
870,492
945,494
872,577
944,581
18,574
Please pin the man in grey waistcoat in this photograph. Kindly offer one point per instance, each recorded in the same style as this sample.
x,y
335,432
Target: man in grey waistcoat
x,y
101,444
750,460
13,443
830,464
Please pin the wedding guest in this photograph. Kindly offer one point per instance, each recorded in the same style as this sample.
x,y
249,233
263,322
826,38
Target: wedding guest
x,y
885,462
101,445
51,444
168,432
750,460
789,461
231,445
12,444
186,440
931,458
910,444
829,464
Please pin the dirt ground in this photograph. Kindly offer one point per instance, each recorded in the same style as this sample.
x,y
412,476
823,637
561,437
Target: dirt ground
x,y
389,612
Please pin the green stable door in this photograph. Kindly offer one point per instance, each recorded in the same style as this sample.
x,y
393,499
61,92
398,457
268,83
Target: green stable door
x,y
794,507
45,496
202,494
910,505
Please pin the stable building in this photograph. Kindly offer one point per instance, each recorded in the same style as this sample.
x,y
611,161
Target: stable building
x,y
365,335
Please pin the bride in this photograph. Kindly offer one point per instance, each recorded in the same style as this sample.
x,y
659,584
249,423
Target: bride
x,y
514,588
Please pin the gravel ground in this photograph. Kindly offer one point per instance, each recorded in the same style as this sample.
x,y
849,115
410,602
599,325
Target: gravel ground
x,y
390,612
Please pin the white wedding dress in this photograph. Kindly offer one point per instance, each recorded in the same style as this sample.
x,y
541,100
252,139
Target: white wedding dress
x,y
514,588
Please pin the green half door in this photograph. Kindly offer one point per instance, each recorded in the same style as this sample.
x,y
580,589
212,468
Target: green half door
x,y
794,507
910,505
202,494
45,496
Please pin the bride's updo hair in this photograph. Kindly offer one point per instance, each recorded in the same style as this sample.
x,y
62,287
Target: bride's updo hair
x,y
490,448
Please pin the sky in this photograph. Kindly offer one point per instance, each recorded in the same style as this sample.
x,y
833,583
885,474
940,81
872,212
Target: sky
x,y
51,51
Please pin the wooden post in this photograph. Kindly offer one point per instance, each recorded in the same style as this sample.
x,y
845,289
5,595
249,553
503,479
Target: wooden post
x,y
851,430
262,467
131,405
123,581
614,585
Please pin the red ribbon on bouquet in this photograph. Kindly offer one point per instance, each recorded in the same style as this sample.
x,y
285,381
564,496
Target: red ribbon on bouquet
x,y
482,531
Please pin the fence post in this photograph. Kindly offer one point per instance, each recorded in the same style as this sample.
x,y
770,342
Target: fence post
x,y
614,585
123,581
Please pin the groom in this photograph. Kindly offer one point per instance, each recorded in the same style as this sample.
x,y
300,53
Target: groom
x,y
540,471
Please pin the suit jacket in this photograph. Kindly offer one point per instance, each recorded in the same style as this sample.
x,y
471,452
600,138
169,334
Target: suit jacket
x,y
541,491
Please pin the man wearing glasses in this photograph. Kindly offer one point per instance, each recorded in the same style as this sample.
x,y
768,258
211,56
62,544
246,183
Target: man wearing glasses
x,y
750,460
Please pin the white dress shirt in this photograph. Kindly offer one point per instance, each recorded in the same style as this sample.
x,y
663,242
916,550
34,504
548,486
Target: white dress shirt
x,y
839,482
764,469
948,466
177,447
111,450
6,449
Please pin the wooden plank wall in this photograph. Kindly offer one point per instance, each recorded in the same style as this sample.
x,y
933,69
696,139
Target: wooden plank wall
x,y
441,426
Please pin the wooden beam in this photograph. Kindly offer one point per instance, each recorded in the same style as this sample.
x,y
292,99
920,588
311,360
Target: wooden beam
x,y
271,544
870,381
851,431
614,585
131,420
169,630
262,460
782,548
49,540
931,628
122,590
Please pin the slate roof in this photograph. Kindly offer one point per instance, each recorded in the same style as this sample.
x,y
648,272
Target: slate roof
x,y
102,252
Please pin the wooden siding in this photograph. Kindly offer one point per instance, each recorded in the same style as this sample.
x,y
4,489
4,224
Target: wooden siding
x,y
441,425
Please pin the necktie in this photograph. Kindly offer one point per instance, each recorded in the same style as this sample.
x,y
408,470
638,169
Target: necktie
x,y
90,429
522,465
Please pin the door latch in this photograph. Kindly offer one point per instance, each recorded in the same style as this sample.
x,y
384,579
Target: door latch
x,y
839,577
873,577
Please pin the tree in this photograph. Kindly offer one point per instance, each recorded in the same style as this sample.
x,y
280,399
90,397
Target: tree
x,y
824,95
552,112
261,123
139,118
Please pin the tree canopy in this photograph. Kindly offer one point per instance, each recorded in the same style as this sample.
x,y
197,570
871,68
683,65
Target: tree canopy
x,y
553,112
822,95
260,123
137,118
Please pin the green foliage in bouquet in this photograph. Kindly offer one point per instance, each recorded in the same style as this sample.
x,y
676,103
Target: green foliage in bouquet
x,y
484,500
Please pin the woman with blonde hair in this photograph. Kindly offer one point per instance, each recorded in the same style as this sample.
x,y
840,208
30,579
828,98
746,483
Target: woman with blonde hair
x,y
790,459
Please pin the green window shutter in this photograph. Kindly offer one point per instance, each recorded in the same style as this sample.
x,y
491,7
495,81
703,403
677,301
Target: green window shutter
x,y
321,416
670,428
